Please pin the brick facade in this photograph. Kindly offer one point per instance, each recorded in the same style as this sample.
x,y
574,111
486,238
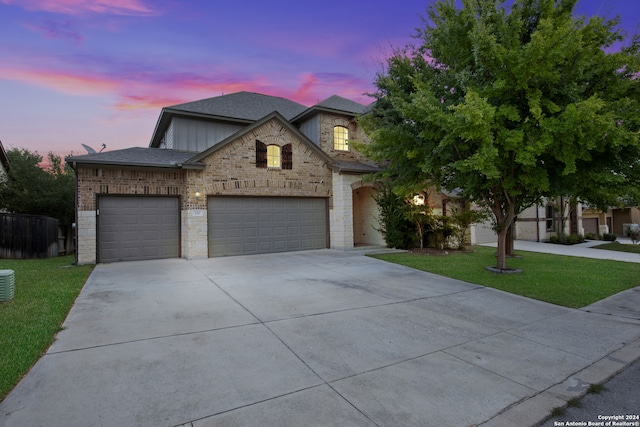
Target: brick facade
x,y
94,181
230,170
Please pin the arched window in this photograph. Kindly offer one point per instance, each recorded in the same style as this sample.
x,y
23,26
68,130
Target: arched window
x,y
340,138
273,156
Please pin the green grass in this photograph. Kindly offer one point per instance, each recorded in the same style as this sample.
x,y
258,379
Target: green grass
x,y
568,281
45,289
634,249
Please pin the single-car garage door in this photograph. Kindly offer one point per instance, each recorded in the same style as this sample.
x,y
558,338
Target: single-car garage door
x,y
251,225
137,228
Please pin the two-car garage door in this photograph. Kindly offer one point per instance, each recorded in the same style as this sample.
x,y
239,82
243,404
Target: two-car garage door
x,y
132,228
251,225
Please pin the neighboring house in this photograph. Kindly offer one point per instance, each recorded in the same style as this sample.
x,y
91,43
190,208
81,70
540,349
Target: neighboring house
x,y
540,222
242,173
611,221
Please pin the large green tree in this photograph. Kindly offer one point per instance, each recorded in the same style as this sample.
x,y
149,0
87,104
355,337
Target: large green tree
x,y
508,102
31,189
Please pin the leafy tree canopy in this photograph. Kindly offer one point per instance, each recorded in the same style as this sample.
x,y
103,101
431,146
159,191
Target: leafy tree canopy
x,y
507,102
29,189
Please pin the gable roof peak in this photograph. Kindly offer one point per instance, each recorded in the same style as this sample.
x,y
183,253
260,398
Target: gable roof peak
x,y
336,102
243,105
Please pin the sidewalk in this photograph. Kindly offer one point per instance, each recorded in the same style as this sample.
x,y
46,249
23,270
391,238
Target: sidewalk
x,y
584,250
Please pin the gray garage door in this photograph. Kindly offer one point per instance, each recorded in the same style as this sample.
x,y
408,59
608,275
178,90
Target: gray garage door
x,y
138,228
590,225
251,225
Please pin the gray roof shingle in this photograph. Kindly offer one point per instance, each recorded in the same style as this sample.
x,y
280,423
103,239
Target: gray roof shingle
x,y
242,105
137,156
339,103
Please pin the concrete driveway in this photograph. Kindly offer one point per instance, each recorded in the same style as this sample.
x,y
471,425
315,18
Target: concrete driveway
x,y
317,338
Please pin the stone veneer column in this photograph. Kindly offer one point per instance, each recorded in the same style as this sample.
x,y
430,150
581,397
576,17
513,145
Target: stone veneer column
x,y
86,238
194,234
341,216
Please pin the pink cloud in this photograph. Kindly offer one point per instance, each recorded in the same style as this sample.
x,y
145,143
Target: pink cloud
x,y
81,7
74,84
315,87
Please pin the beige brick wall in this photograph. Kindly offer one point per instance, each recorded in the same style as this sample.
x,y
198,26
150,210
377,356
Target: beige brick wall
x,y
232,169
327,123
93,181
86,245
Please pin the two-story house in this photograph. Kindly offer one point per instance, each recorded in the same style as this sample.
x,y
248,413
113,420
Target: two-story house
x,y
242,173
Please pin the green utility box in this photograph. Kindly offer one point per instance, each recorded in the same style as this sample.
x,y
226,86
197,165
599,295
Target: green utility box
x,y
7,285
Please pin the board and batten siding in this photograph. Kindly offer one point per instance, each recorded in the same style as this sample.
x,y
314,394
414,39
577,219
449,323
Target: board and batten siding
x,y
197,135
311,129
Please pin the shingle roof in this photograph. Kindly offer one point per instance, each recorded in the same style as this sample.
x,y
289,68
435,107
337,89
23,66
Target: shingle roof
x,y
339,103
137,156
242,105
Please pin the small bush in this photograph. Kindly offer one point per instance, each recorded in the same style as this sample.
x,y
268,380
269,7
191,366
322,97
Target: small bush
x,y
591,236
574,239
609,237
567,239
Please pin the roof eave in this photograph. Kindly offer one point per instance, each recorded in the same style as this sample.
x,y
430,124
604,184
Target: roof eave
x,y
320,109
117,163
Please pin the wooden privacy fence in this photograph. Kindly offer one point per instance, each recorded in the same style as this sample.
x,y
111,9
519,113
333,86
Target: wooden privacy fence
x,y
28,236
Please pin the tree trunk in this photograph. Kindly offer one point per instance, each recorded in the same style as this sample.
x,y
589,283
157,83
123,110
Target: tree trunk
x,y
509,246
502,254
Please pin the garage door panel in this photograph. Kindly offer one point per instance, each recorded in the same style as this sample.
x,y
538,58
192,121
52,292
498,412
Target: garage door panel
x,y
137,228
274,224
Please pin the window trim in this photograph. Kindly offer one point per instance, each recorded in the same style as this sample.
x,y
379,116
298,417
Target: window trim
x,y
272,157
341,144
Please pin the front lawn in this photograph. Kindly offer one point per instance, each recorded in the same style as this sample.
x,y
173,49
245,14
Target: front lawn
x,y
45,290
634,249
567,281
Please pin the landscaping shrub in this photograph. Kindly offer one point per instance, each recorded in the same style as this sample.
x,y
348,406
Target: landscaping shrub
x,y
396,227
567,239
609,237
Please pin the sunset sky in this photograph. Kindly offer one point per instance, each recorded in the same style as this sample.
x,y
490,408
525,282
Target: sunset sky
x,y
99,71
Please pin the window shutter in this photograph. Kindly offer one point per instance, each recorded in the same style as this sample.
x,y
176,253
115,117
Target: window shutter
x,y
261,155
287,157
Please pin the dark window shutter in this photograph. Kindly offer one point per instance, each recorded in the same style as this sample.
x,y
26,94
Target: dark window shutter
x,y
287,157
261,155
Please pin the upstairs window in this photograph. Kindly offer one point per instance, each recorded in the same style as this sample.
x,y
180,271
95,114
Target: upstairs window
x,y
340,138
273,156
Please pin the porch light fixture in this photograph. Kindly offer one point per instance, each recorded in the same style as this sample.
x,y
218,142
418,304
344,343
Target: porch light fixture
x,y
197,194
